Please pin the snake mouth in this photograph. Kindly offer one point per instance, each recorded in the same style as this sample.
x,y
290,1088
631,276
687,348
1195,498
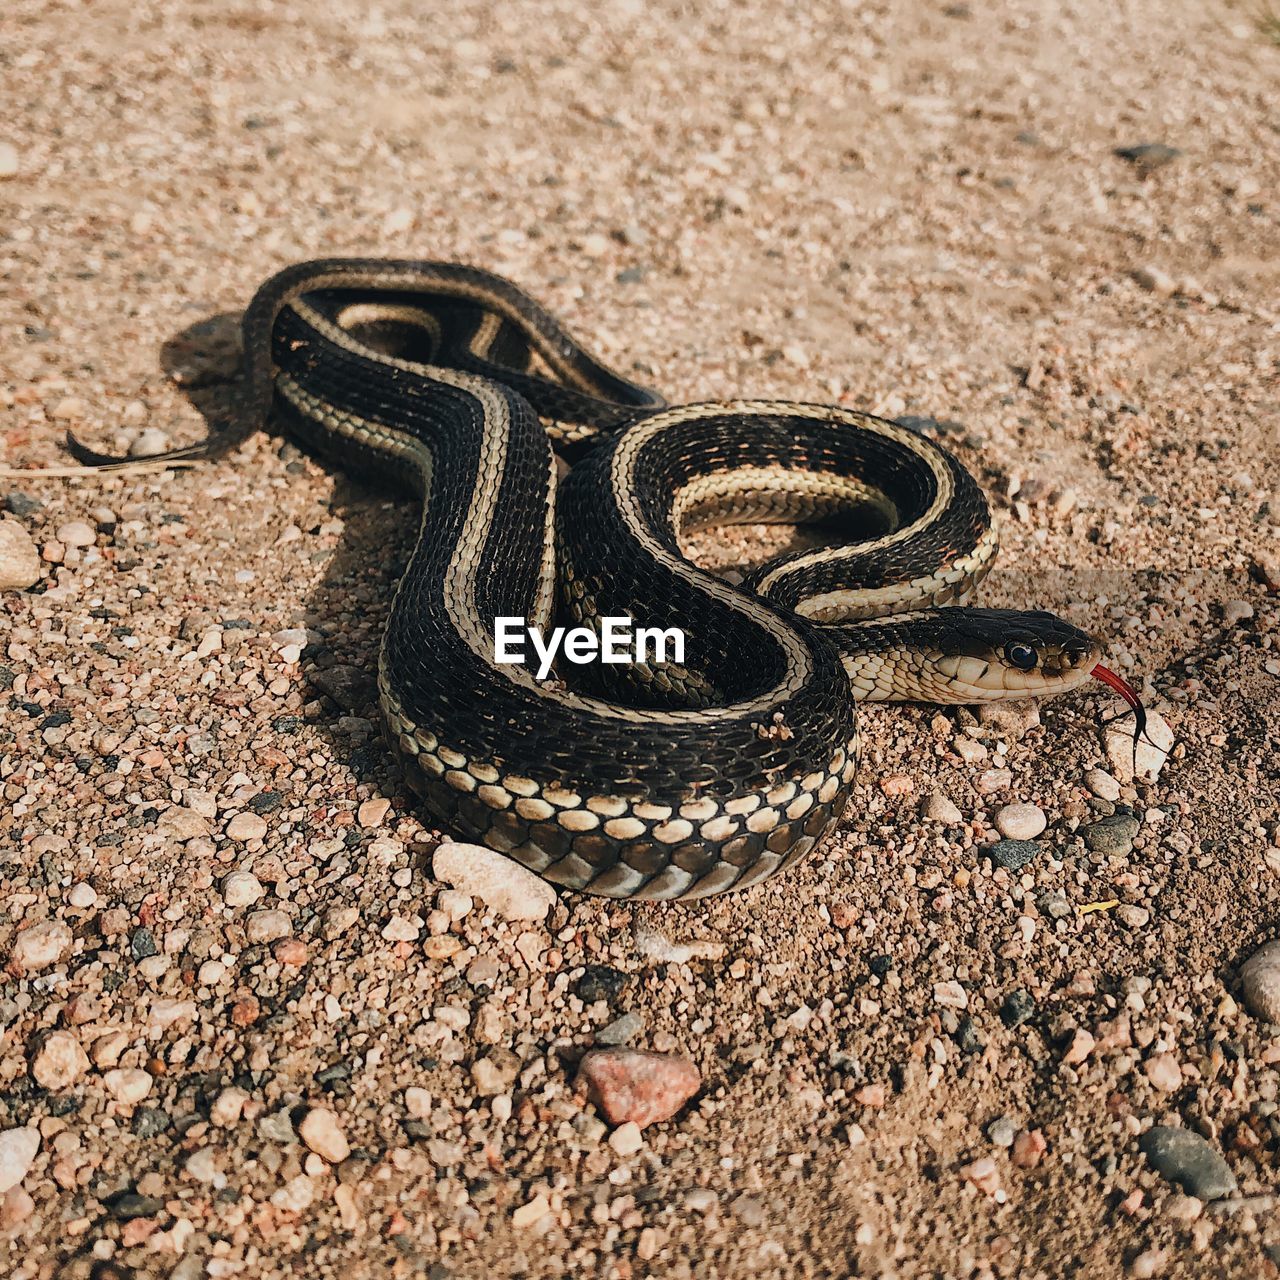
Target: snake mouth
x,y
1128,693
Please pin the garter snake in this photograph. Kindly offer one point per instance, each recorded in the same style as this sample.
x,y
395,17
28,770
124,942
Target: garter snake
x,y
640,781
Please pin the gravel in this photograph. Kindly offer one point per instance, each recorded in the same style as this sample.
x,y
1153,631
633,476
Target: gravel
x,y
890,208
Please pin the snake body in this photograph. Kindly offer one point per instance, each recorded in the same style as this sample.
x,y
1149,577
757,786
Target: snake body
x,y
648,781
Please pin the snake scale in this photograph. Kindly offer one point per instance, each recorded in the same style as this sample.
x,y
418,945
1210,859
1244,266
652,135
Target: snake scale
x,y
642,780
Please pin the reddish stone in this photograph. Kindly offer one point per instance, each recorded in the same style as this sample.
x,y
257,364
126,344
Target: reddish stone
x,y
870,1095
636,1085
244,1013
1028,1149
291,951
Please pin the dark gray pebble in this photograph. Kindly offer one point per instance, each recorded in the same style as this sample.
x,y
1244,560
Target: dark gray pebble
x,y
1017,1008
1149,156
149,1121
142,943
1187,1159
130,1204
1113,835
1013,855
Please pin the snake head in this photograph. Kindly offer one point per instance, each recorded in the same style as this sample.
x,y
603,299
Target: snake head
x,y
988,654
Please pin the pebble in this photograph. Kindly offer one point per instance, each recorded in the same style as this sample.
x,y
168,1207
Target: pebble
x,y
636,1085
620,1030
60,1061
1148,156
455,904
9,164
18,1149
1002,1131
1102,785
372,812
1017,1008
1187,1159
495,1073
295,1196
1153,280
19,559
81,896
1164,1072
530,1212
1147,1265
16,1206
127,1084
657,948
1133,917
1266,565
228,1107
513,891
241,889
1028,1149
601,982
1112,836
748,1209
627,1139
984,1174
246,826
398,929
267,926
1235,612
1079,1049
1260,982
701,1199
130,1205
1012,855
76,533
1020,821
417,1102
202,1164
1148,758
993,781
148,442
950,995
322,1134
939,808
41,946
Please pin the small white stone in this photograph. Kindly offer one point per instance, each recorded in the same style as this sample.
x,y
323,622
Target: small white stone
x,y
950,995
60,1061
128,1084
267,926
211,972
1235,612
241,889
398,929
246,826
627,1139
322,1134
1102,785
296,1194
513,891
18,1149
9,167
81,895
40,946
417,1102
76,533
227,1107
939,808
527,1214
1020,821
19,559
148,442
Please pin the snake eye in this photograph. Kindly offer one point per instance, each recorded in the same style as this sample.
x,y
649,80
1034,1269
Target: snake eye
x,y
1022,656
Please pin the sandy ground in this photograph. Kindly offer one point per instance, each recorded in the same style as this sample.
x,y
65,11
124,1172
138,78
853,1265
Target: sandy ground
x,y
913,208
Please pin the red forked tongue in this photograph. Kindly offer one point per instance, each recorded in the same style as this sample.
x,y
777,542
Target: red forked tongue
x,y
1129,694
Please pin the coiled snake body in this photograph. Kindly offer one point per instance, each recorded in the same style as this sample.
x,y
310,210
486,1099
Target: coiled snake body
x,y
647,781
